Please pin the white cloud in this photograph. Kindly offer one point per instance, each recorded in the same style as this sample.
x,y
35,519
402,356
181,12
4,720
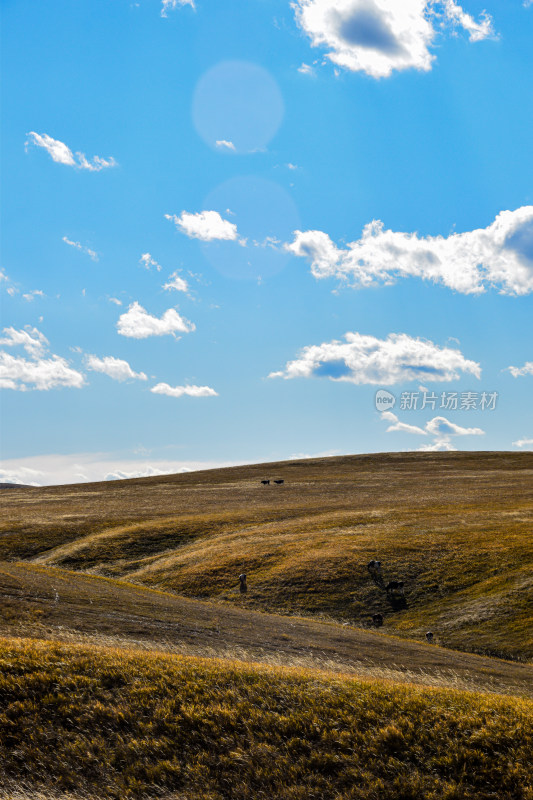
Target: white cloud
x,y
137,323
176,282
442,427
439,427
171,5
62,154
306,69
380,36
20,475
116,368
30,296
438,445
52,469
33,341
91,253
179,391
3,276
499,256
477,30
115,301
523,443
223,144
400,426
206,225
148,262
367,360
527,369
45,373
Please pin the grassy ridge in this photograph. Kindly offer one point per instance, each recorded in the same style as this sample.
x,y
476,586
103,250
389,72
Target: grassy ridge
x,y
129,725
456,527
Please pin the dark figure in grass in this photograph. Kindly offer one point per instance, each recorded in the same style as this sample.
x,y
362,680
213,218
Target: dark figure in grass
x,y
243,586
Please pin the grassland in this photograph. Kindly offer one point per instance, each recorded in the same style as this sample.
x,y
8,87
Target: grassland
x,y
126,724
455,527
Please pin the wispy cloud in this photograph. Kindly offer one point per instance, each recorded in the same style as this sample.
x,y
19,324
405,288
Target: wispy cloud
x,y
32,340
205,225
87,250
176,282
523,443
147,261
367,360
180,391
499,256
517,372
115,368
30,296
137,323
223,144
62,154
381,36
171,5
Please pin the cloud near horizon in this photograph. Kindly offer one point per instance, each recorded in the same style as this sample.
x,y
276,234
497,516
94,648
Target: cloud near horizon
x,y
62,154
499,256
378,37
439,427
137,323
367,360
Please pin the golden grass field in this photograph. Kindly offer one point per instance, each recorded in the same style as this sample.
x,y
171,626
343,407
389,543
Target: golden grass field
x,y
131,666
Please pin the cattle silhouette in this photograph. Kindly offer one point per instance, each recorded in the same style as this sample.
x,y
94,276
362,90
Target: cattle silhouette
x,y
243,586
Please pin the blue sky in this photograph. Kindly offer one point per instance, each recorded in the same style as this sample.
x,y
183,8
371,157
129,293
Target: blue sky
x,y
227,226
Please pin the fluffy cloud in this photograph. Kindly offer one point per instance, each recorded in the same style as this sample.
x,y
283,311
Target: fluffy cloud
x,y
91,253
179,391
45,373
171,5
380,36
527,369
62,154
137,323
176,282
148,262
365,359
116,368
33,341
206,225
223,144
439,427
499,256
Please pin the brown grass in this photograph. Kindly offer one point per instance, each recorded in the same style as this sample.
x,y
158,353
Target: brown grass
x,y
456,527
116,724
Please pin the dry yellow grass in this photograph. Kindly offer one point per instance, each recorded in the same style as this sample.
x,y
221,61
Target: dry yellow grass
x,y
116,724
456,527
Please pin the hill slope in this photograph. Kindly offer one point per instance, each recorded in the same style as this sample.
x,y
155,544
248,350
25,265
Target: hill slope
x,y
115,725
455,527
52,603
